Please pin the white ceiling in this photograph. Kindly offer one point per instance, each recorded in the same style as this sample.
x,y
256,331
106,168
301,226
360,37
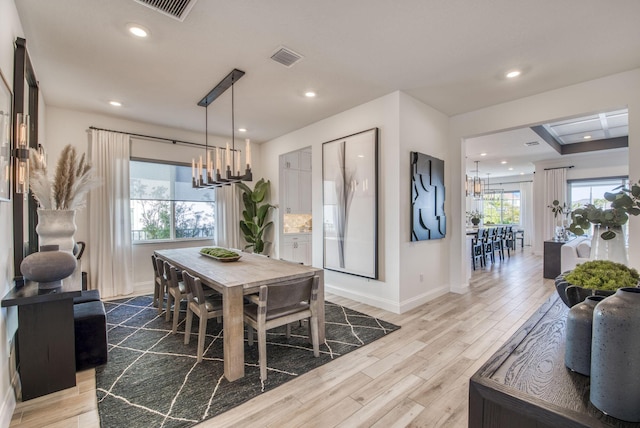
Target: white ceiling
x,y
449,54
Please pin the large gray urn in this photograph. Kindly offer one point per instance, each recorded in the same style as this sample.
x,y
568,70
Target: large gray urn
x,y
577,355
615,355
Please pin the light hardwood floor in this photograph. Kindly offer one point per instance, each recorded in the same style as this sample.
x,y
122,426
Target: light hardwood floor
x,y
417,376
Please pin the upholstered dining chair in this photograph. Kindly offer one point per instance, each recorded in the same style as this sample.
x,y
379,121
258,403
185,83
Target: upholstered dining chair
x,y
204,307
280,304
176,292
160,282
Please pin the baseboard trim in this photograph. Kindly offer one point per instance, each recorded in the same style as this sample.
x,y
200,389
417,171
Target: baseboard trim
x,y
423,298
385,304
461,289
388,305
8,407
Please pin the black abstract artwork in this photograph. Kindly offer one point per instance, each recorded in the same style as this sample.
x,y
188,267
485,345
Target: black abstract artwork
x,y
428,220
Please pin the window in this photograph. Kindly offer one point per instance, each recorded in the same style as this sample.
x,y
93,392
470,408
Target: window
x,y
164,206
501,207
591,191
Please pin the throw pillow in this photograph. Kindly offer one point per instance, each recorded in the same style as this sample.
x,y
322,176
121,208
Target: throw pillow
x,y
584,249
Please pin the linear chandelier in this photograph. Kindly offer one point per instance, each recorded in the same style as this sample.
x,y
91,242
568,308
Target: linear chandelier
x,y
474,185
207,176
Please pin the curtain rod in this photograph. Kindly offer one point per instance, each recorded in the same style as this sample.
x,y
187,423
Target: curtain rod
x,y
559,167
513,182
167,140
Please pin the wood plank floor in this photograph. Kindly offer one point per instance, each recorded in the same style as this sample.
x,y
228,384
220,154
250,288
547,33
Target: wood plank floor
x,y
416,377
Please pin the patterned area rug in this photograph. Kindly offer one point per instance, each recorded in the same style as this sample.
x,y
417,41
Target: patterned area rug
x,y
152,378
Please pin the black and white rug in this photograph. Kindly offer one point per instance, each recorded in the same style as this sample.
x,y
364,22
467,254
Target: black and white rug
x,y
152,378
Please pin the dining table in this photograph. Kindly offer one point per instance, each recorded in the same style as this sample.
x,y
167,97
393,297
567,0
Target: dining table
x,y
235,279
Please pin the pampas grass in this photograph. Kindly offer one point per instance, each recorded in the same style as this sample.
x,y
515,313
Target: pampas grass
x,y
71,182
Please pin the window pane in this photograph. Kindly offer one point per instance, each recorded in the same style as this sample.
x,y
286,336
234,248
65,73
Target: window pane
x,y
150,220
195,220
165,206
501,207
163,181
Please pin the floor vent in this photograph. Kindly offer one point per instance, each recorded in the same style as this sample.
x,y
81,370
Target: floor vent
x,y
178,9
286,56
532,143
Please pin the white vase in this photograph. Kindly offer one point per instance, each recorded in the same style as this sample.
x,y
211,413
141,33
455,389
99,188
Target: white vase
x,y
609,249
57,227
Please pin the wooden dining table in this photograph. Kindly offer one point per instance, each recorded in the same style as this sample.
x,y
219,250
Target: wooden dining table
x,y
234,280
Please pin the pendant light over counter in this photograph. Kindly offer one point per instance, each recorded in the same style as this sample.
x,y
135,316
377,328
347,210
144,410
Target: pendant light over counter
x,y
228,159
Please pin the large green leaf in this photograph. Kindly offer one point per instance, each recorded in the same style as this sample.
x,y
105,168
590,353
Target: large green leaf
x,y
244,188
260,191
262,213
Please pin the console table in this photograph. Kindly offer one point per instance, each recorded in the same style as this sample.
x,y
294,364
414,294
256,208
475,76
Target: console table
x,y
526,384
45,346
551,258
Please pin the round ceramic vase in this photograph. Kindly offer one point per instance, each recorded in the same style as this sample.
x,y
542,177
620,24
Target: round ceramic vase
x,y
57,227
615,355
48,267
577,355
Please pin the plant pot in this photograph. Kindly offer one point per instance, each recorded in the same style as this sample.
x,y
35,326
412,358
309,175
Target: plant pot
x,y
571,294
475,221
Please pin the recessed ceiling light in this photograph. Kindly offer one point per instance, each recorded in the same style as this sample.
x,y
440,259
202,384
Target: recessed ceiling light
x,y
522,173
503,162
510,169
115,103
242,129
483,154
587,137
310,94
138,30
513,73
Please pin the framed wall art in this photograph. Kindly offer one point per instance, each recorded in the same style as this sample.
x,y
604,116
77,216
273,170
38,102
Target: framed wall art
x,y
350,204
428,220
5,139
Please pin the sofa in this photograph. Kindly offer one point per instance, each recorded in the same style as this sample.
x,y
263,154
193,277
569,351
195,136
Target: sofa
x,y
575,251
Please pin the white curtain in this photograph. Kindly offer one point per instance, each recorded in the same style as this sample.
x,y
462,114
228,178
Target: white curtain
x,y
555,188
109,215
526,211
228,216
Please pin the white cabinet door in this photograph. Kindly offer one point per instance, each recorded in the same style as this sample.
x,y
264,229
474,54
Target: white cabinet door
x,y
292,161
291,192
304,161
297,248
304,192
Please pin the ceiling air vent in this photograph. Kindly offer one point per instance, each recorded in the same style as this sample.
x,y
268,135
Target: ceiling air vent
x,y
286,56
178,9
532,143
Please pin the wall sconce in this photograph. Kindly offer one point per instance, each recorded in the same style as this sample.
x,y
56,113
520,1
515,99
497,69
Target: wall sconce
x,y
21,154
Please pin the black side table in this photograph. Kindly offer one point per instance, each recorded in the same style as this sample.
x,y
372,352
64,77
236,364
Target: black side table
x,y
551,259
45,347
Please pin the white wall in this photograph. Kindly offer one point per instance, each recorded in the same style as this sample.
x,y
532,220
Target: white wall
x,y
422,129
604,94
65,126
10,29
425,130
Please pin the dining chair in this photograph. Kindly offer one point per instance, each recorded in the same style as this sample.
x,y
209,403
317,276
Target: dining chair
x,y
157,281
498,238
280,304
476,252
204,307
162,282
176,292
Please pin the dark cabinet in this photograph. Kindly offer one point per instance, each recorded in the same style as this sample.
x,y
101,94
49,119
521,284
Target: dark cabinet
x,y
551,262
526,384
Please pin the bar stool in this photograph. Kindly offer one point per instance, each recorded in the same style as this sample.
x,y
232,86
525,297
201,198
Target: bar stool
x,y
476,251
498,238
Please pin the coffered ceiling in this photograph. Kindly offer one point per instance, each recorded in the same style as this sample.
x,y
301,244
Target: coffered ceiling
x,y
452,55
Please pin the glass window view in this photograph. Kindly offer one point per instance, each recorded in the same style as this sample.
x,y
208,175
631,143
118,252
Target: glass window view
x,y
501,207
582,192
164,206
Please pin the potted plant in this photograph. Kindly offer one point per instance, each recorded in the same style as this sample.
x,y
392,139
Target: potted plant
x,y
255,213
595,277
563,211
475,217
